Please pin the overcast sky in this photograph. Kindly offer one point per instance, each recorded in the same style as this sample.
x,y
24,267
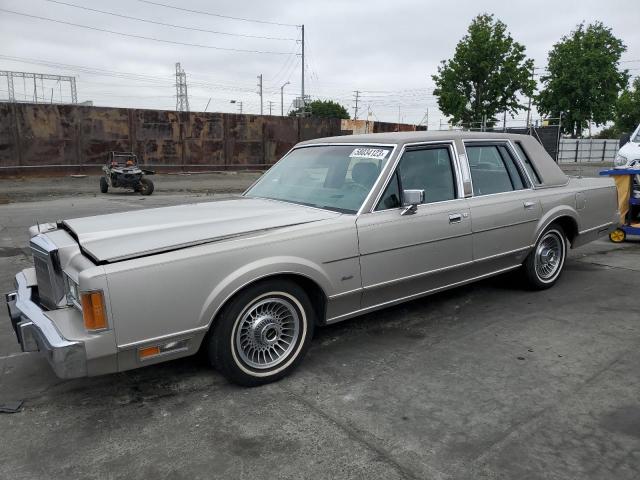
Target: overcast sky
x,y
386,49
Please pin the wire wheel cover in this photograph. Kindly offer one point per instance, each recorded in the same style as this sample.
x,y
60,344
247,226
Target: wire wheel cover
x,y
267,332
549,256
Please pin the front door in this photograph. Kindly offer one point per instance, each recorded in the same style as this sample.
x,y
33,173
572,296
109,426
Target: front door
x,y
403,256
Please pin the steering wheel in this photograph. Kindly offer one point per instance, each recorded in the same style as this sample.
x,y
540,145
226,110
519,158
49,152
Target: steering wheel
x,y
358,186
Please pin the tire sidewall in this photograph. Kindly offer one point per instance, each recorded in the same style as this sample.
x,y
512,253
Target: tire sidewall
x,y
223,353
292,355
532,272
146,187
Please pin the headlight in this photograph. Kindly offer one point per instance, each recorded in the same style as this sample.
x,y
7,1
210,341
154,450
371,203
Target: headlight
x,y
620,160
73,297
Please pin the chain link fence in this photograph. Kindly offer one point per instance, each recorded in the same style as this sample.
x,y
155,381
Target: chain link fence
x,y
585,150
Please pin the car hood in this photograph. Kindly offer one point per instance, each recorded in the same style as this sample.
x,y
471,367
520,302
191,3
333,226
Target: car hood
x,y
631,150
121,236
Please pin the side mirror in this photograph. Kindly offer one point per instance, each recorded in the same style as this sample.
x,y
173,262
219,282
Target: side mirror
x,y
410,201
624,139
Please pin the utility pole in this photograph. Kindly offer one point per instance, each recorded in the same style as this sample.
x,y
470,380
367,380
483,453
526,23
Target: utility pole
x,y
270,105
282,98
355,108
529,107
260,92
302,82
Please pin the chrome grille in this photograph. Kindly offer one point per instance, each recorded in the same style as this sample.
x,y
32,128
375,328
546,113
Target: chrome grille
x,y
43,276
51,289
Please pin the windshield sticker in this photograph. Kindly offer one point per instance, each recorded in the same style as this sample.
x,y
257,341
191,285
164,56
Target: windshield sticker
x,y
374,153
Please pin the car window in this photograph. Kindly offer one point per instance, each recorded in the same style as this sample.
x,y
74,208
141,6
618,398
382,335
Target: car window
x,y
493,170
391,196
428,169
527,164
333,177
515,175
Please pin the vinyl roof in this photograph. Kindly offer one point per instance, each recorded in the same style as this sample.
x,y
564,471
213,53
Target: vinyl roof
x,y
410,137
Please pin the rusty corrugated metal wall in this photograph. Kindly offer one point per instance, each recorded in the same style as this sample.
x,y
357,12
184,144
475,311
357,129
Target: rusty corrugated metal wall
x,y
364,126
77,136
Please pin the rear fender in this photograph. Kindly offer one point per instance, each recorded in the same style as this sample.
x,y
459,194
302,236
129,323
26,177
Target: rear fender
x,y
553,215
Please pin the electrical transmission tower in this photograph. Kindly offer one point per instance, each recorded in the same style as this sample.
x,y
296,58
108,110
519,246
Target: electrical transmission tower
x,y
42,92
355,108
182,98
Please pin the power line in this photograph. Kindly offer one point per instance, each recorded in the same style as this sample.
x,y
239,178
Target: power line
x,y
159,81
130,35
89,70
201,12
138,19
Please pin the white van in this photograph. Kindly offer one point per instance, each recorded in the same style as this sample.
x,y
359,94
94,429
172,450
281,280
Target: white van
x,y
629,154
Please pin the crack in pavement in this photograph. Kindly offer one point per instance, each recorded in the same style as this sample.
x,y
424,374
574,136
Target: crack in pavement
x,y
362,438
538,416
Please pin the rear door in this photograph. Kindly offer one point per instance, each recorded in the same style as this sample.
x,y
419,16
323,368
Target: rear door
x,y
504,207
405,255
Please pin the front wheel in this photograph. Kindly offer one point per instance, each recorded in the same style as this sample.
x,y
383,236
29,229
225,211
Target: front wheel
x,y
145,187
104,186
543,266
263,333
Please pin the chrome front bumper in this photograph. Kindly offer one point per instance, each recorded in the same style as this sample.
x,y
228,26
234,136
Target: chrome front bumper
x,y
36,332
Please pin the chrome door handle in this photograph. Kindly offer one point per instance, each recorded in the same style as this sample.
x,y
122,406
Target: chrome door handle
x,y
529,205
455,218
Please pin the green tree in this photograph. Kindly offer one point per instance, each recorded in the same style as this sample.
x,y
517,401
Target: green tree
x,y
627,114
322,108
487,75
606,133
583,79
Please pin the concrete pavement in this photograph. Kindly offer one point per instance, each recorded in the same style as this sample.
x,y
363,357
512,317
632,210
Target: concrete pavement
x,y
484,381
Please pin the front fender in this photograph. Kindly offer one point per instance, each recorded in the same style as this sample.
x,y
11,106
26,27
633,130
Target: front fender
x,y
262,268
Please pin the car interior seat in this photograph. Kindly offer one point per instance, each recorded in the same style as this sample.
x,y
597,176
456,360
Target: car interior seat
x,y
365,174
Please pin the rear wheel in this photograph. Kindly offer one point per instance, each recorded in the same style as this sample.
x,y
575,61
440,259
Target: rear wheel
x,y
618,235
263,333
543,266
146,186
104,186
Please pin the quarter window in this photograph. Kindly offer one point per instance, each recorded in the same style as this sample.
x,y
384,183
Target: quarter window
x,y
493,170
527,164
428,169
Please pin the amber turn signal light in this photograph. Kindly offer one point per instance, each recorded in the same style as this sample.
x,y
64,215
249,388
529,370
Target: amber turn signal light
x,y
149,351
93,311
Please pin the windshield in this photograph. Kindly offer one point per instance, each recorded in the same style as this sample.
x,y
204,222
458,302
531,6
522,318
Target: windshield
x,y
333,177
